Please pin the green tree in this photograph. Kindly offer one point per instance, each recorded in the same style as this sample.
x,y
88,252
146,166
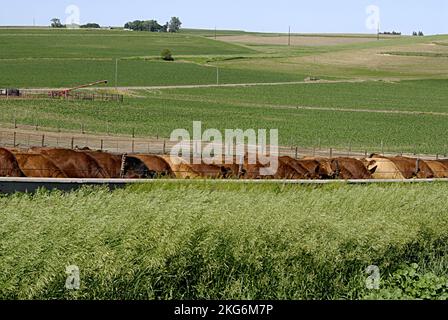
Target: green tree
x,y
56,23
174,24
91,26
167,55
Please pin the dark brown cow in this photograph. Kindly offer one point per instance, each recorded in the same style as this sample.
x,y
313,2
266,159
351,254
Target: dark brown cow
x,y
410,168
9,167
349,168
287,168
156,164
111,166
38,166
307,168
74,164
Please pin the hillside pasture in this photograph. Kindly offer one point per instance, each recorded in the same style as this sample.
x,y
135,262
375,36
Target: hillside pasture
x,y
48,43
295,40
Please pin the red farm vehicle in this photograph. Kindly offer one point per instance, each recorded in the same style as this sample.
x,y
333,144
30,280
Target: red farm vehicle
x,y
66,92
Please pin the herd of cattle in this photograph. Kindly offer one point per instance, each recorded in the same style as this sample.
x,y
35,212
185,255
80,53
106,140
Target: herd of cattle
x,y
67,163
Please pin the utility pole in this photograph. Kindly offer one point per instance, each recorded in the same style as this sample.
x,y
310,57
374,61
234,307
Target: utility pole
x,y
217,75
116,73
378,33
289,37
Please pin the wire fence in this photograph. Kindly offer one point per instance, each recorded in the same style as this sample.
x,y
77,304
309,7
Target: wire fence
x,y
60,95
25,139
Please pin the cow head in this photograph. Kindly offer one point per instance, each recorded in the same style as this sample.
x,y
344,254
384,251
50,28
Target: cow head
x,y
324,169
371,165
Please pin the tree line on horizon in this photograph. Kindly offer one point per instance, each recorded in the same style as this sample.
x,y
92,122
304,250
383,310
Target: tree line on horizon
x,y
153,26
173,25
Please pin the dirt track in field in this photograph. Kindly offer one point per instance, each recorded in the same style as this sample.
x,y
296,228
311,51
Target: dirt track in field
x,y
225,85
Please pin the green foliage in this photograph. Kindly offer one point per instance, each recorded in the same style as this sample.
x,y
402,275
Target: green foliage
x,y
195,240
174,24
167,55
56,23
148,25
409,283
91,26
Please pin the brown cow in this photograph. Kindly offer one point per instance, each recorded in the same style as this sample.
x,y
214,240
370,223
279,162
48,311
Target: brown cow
x,y
309,168
385,169
438,167
350,168
287,168
180,167
74,164
9,167
410,168
187,169
156,164
111,166
38,166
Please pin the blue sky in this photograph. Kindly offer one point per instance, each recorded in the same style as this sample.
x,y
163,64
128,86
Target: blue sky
x,y
431,16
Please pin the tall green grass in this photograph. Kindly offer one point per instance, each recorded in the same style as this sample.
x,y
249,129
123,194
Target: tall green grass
x,y
204,241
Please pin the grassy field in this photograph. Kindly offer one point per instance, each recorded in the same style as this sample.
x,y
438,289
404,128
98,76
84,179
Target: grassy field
x,y
28,43
357,114
67,73
202,241
45,57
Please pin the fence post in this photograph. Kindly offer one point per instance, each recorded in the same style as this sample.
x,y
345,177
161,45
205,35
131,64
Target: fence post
x,y
133,132
15,134
101,144
164,147
82,128
297,152
15,123
73,142
133,145
37,126
43,140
